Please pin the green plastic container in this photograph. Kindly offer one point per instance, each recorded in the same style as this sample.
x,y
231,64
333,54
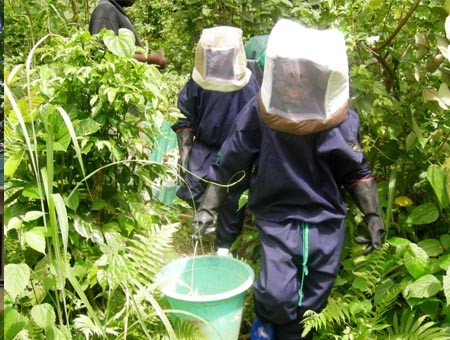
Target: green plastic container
x,y
216,302
165,144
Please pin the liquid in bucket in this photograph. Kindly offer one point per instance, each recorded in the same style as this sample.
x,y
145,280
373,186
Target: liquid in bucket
x,y
217,295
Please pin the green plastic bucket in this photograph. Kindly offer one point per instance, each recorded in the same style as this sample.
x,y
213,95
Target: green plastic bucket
x,y
164,149
216,302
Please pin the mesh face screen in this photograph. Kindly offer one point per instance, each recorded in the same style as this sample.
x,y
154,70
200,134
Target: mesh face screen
x,y
219,63
298,87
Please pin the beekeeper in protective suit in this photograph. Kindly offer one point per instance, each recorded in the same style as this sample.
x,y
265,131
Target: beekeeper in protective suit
x,y
210,101
302,141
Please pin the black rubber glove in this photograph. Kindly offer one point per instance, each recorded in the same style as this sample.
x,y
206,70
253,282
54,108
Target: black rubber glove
x,y
365,196
204,220
184,139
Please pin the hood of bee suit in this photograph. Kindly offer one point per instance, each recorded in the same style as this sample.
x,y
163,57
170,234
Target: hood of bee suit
x,y
305,88
220,62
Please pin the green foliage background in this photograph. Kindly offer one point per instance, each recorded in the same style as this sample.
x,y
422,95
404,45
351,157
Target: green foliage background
x,y
77,227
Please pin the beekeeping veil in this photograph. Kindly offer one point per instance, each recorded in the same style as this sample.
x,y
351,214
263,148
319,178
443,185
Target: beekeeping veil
x,y
305,87
220,62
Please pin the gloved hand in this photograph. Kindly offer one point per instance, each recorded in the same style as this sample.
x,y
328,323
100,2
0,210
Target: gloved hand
x,y
366,198
185,138
204,219
203,223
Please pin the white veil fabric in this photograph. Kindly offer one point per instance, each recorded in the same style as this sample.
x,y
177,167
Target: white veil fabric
x,y
220,61
305,73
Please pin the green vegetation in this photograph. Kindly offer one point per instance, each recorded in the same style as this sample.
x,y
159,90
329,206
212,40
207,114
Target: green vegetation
x,y
84,235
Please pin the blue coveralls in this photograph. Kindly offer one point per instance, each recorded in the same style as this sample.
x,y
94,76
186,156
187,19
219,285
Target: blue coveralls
x,y
211,115
297,199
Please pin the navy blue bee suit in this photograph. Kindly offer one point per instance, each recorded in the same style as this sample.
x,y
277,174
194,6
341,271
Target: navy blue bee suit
x,y
297,199
211,115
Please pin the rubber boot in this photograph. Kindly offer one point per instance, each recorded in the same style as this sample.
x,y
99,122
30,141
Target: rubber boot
x,y
262,330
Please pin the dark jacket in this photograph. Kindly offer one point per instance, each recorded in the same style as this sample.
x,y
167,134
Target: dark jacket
x,y
293,177
110,15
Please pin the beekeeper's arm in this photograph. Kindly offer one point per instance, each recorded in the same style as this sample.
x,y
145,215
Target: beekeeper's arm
x,y
237,156
365,195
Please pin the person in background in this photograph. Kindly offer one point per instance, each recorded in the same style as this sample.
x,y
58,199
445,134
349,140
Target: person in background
x,y
210,101
255,51
302,141
110,14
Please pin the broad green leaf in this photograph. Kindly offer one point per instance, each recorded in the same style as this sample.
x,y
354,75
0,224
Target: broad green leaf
x,y
444,262
73,201
446,283
122,45
31,191
433,96
374,4
442,45
13,323
17,277
398,241
29,114
32,215
43,315
422,140
423,214
88,230
86,127
111,94
416,261
57,333
14,223
62,143
432,247
438,179
99,204
12,163
446,165
424,287
444,95
10,97
445,241
421,39
35,238
117,153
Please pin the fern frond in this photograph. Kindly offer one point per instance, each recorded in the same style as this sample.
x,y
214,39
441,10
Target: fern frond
x,y
375,267
411,327
130,272
337,311
84,324
147,250
386,296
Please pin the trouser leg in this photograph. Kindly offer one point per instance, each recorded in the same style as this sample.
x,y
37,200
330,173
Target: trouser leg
x,y
230,222
230,218
200,159
276,290
192,191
